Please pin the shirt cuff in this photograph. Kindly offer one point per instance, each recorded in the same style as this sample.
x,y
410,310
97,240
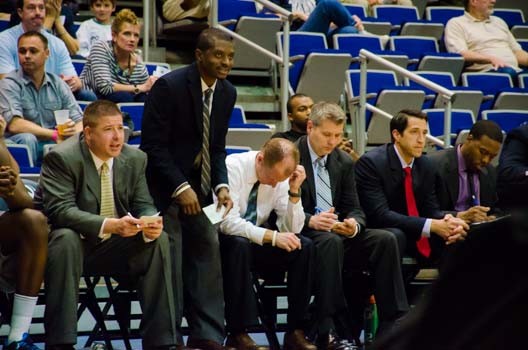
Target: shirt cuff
x,y
146,239
101,235
257,235
426,230
184,186
219,186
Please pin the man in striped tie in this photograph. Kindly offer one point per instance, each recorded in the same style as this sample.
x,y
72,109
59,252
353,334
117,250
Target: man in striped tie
x,y
336,224
101,214
184,130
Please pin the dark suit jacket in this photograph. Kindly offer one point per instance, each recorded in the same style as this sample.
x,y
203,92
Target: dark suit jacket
x,y
173,127
342,182
446,180
71,187
512,184
380,186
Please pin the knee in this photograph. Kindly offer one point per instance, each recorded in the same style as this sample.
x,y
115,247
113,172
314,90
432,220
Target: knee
x,y
232,245
34,225
331,244
64,243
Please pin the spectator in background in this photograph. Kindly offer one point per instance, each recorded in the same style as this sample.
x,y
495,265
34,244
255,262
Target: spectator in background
x,y
113,70
59,20
299,108
175,10
32,14
484,40
98,28
30,95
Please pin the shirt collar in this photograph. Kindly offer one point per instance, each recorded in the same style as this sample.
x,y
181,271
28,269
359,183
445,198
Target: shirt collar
x,y
99,162
313,156
403,164
26,80
460,160
473,19
205,87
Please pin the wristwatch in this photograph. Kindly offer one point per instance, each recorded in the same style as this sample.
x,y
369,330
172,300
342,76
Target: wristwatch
x,y
136,89
293,194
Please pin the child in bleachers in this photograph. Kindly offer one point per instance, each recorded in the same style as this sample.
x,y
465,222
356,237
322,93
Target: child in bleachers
x,y
97,28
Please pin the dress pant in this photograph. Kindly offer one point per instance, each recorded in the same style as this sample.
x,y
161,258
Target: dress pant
x,y
196,273
372,249
146,263
240,257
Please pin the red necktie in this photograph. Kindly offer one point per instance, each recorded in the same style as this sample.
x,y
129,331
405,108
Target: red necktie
x,y
423,243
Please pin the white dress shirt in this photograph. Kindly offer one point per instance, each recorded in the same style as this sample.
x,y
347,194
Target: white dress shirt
x,y
242,176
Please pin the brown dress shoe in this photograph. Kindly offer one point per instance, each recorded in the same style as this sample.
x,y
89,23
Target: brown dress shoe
x,y
242,341
296,340
206,344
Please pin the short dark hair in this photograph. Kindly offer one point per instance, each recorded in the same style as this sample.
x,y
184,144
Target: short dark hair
x,y
20,4
36,34
275,150
92,2
97,109
400,121
466,4
488,128
207,38
289,107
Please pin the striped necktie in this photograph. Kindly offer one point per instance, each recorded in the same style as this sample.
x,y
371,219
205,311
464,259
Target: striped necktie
x,y
107,195
324,191
251,211
206,160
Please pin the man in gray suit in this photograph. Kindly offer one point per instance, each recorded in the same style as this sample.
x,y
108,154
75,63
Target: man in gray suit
x,y
94,190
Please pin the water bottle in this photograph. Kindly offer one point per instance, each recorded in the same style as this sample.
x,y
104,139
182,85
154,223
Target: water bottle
x,y
371,321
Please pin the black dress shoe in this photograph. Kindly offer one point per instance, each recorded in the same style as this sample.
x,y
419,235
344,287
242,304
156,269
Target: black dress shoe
x,y
330,341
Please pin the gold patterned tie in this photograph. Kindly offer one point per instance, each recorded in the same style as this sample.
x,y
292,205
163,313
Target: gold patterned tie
x,y
107,195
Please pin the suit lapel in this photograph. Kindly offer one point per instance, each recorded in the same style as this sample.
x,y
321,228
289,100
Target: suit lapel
x,y
333,173
307,163
195,87
91,175
120,188
451,168
218,96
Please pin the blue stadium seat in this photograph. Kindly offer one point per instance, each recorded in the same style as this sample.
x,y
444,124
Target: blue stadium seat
x,y
3,24
238,120
23,157
78,64
512,17
152,66
442,14
460,119
357,10
507,119
396,14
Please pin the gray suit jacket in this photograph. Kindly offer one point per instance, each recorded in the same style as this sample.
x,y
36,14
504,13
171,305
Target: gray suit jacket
x,y
446,180
71,188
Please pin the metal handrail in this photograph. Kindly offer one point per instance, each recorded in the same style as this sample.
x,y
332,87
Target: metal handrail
x,y
446,94
284,61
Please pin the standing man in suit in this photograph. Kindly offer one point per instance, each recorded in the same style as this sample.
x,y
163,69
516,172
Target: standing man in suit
x,y
336,224
93,191
464,178
184,128
265,185
396,189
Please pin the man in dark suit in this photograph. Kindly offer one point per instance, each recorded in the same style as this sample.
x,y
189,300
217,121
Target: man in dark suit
x,y
336,224
93,188
396,189
512,182
184,128
464,178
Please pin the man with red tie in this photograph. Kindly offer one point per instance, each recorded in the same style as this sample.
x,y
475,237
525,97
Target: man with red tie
x,y
396,190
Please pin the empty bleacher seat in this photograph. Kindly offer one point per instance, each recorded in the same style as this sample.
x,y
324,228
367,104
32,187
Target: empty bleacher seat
x,y
396,14
414,47
520,31
320,72
78,64
442,14
523,80
422,28
152,66
357,10
507,119
23,157
460,119
515,98
238,120
512,17
4,23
